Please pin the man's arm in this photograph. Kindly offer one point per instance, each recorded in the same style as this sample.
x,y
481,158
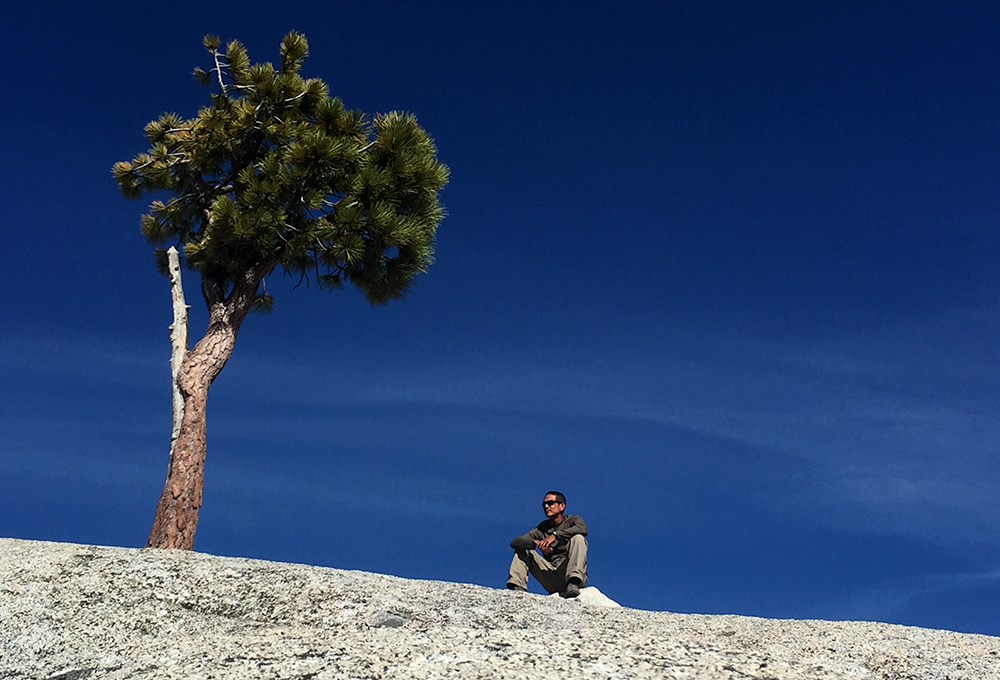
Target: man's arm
x,y
572,525
527,541
545,545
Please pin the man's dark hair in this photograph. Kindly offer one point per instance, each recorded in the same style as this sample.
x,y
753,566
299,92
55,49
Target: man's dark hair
x,y
557,494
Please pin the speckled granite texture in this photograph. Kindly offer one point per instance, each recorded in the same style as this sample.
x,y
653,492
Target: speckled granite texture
x,y
74,612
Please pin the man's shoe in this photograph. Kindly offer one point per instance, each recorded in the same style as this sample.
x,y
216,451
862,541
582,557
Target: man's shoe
x,y
572,590
516,588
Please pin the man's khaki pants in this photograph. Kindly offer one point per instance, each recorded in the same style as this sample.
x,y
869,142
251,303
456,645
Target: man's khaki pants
x,y
553,577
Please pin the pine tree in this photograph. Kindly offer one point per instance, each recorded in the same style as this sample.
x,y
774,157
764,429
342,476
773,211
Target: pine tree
x,y
274,173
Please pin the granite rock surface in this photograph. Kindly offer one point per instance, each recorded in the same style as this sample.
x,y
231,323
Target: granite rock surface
x,y
75,612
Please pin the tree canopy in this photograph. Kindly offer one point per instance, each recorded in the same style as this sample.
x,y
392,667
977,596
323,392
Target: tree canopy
x,y
276,172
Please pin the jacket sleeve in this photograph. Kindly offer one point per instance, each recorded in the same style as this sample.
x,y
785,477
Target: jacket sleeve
x,y
527,541
572,525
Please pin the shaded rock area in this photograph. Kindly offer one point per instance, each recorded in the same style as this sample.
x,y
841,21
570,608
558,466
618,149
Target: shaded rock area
x,y
74,612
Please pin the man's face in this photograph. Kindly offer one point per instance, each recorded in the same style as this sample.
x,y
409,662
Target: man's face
x,y
551,506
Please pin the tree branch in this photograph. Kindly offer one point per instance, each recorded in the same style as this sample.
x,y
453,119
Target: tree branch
x,y
218,72
178,341
212,291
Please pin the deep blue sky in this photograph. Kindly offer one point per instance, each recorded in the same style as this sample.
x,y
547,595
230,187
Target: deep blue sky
x,y
724,273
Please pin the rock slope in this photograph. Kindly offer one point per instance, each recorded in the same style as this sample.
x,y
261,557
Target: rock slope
x,y
74,612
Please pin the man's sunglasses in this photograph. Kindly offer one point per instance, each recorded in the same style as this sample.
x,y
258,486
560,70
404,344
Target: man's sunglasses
x,y
548,503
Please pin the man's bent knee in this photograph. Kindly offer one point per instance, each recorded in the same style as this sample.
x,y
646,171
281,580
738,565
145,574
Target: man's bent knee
x,y
576,566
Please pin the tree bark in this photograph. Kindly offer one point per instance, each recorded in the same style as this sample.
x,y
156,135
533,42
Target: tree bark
x,y
177,510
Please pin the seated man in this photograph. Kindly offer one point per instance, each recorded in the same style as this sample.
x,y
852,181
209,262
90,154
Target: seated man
x,y
560,538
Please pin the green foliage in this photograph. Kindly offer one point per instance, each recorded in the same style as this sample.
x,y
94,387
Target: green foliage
x,y
275,172
263,303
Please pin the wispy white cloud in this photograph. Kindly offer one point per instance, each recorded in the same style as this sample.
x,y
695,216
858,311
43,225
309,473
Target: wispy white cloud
x,y
366,492
891,602
88,468
892,447
81,356
899,425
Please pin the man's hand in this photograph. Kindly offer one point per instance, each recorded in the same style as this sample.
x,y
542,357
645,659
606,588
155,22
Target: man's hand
x,y
545,545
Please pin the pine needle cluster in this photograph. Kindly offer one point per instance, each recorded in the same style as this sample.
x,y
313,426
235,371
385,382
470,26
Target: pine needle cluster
x,y
276,172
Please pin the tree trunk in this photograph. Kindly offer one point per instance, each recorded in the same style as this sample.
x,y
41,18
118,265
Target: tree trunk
x,y
177,510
